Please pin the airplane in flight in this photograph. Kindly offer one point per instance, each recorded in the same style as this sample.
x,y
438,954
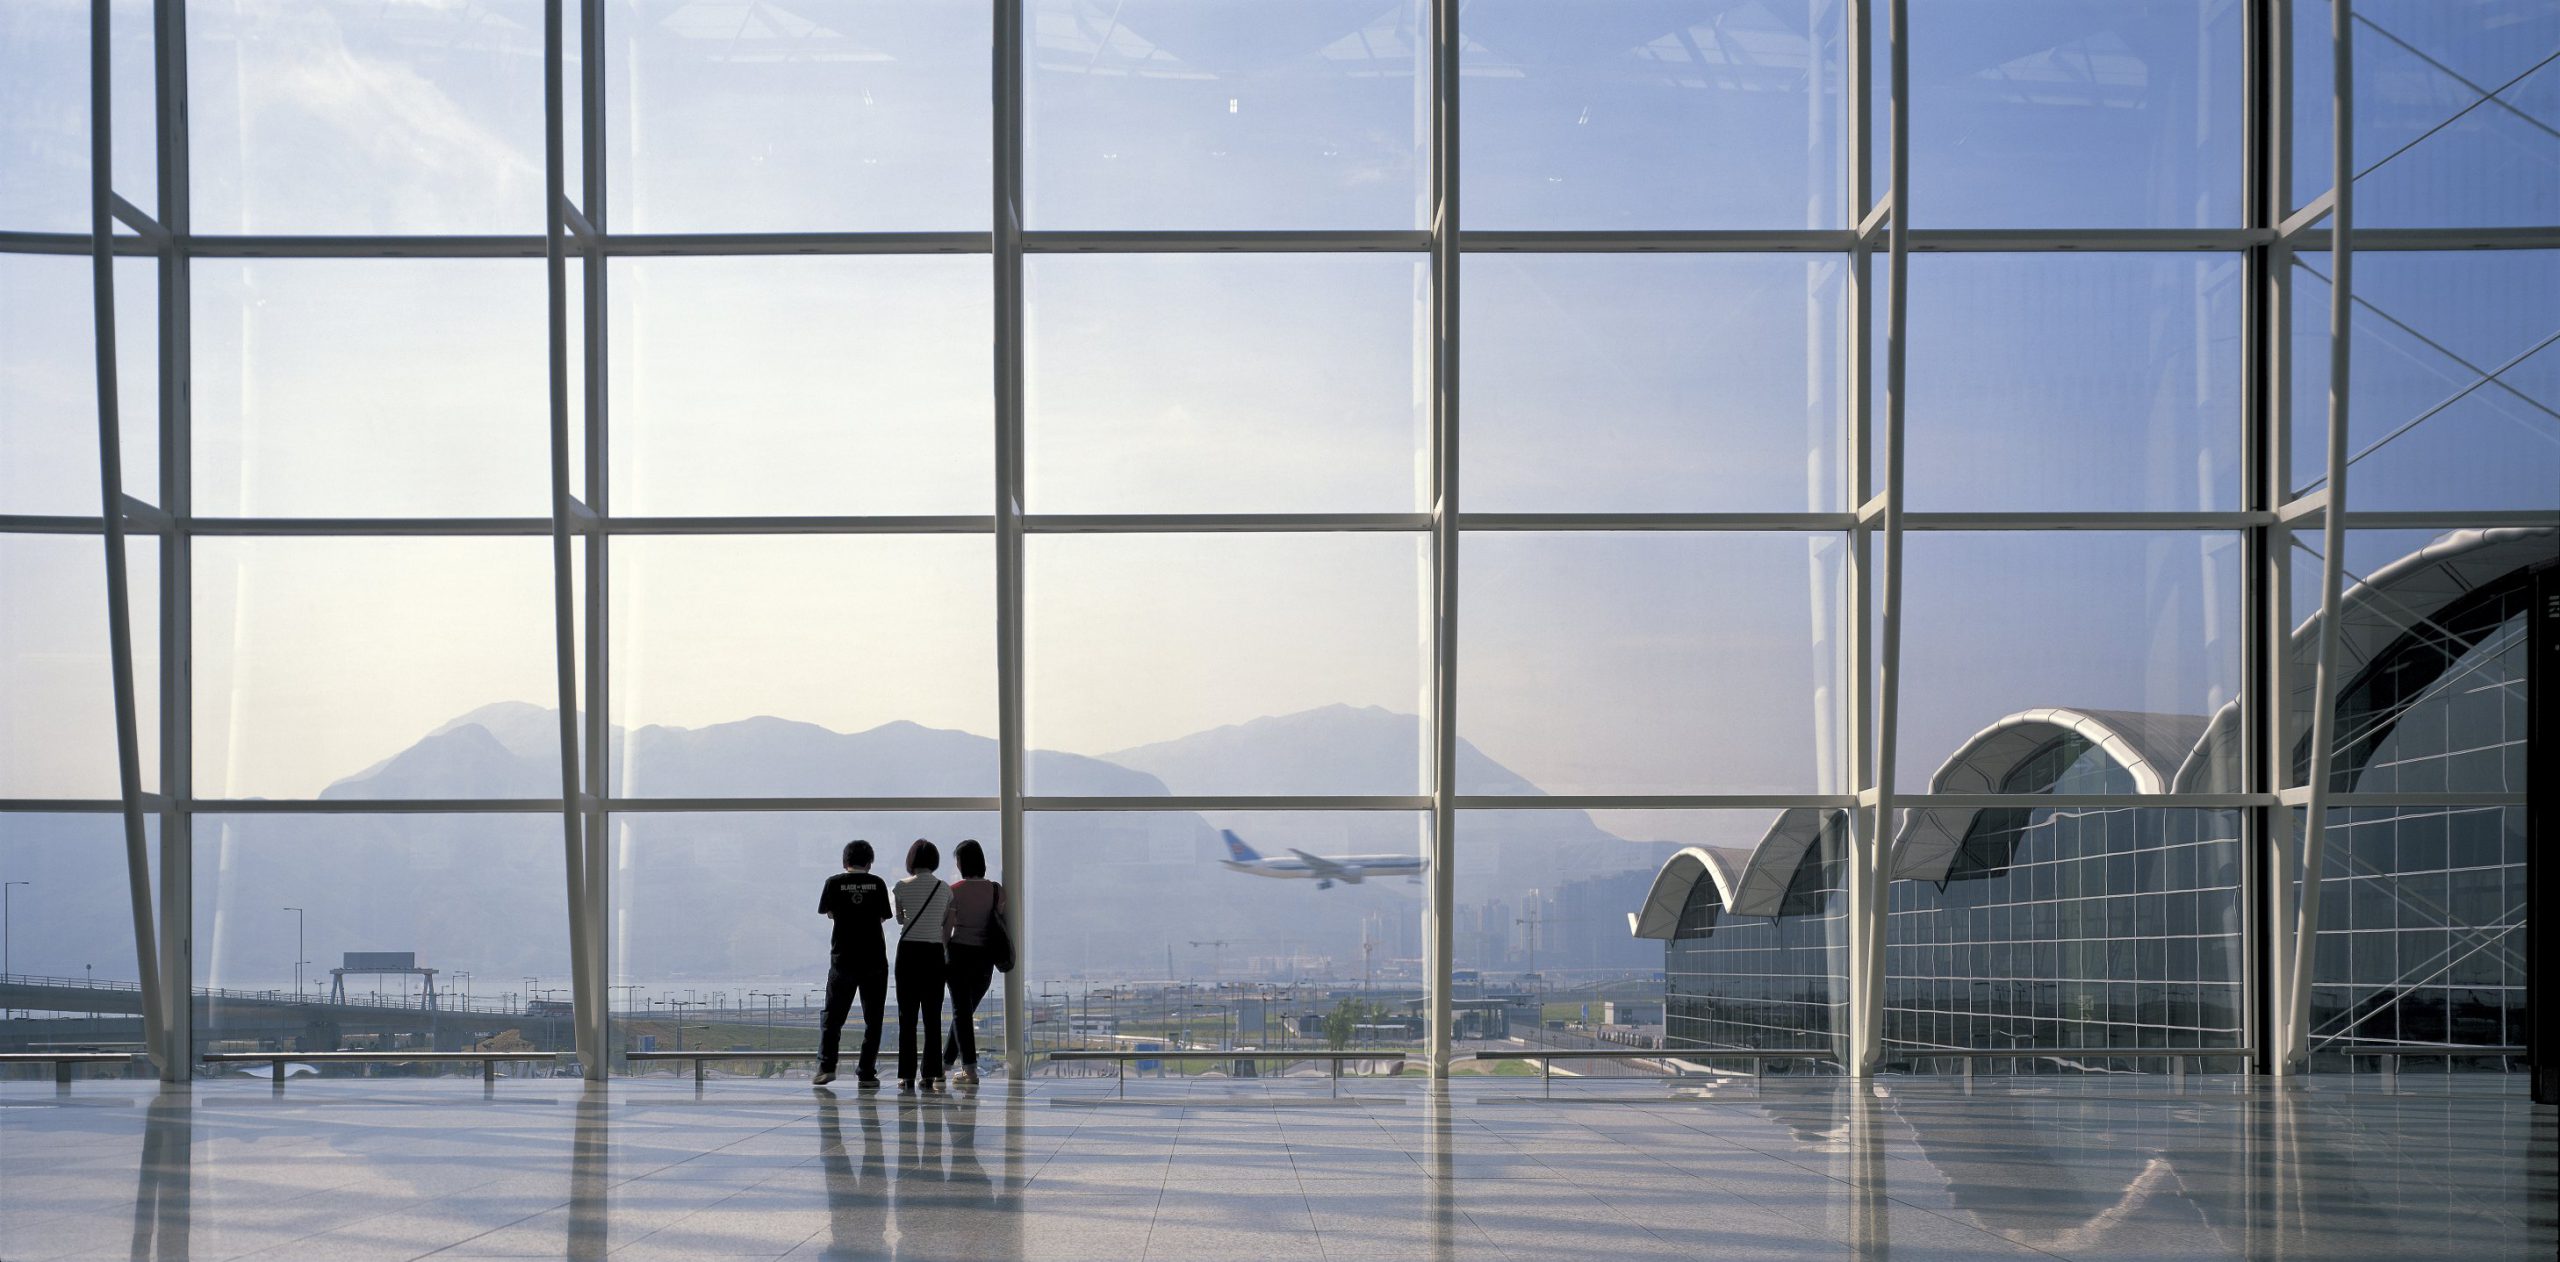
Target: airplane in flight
x,y
1350,868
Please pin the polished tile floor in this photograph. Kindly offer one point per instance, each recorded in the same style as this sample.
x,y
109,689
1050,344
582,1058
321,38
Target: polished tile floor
x,y
2114,1168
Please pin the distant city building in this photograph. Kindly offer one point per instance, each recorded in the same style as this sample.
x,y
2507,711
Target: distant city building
x,y
1630,1012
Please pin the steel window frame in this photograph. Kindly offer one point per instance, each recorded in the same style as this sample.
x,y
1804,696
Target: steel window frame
x,y
1832,241
581,526
145,520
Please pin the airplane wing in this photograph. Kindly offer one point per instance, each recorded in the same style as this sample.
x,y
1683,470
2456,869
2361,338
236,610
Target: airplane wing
x,y
1319,865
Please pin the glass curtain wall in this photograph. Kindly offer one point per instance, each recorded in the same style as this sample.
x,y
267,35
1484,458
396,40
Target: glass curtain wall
x,y
1382,479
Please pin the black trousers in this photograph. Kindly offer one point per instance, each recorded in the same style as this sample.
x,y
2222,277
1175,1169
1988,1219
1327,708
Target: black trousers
x,y
920,970
847,976
973,968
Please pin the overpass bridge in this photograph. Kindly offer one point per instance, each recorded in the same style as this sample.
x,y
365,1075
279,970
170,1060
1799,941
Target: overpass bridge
x,y
81,1011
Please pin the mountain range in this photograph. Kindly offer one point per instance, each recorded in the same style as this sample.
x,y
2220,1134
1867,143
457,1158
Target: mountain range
x,y
731,895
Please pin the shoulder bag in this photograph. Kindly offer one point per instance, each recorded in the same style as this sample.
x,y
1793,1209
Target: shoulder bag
x,y
999,938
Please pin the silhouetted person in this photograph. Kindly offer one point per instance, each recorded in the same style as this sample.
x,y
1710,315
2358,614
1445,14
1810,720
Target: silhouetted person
x,y
856,961
923,903
975,904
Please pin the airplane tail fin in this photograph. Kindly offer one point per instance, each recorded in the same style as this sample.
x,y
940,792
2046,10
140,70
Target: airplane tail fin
x,y
1236,849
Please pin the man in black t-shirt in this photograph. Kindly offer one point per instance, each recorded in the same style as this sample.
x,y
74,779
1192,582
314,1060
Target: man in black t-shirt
x,y
856,961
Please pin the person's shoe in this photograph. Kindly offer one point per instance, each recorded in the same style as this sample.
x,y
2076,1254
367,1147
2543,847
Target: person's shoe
x,y
967,1077
906,1085
868,1082
824,1077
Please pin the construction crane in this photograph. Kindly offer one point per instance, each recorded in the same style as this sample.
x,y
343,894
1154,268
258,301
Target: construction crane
x,y
1215,945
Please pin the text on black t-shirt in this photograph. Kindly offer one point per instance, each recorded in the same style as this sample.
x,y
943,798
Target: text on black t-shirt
x,y
859,901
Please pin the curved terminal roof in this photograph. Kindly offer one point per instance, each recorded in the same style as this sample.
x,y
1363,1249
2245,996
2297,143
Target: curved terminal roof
x,y
1772,867
1680,873
1749,882
2161,752
2148,747
2374,615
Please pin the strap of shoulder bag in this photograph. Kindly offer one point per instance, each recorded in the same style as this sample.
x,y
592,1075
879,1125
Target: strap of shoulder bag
x,y
909,934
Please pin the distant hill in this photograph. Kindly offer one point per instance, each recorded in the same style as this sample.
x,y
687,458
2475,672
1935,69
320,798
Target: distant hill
x,y
731,895
497,751
1335,749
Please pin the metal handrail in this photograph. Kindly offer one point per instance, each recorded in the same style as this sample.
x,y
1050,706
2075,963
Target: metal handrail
x,y
1654,1053
1122,1058
2039,1053
63,1061
1194,1053
488,1060
723,1053
1548,1056
700,1058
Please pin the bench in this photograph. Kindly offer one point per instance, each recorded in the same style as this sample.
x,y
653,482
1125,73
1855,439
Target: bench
x,y
1548,1056
488,1060
698,1058
63,1061
1122,1059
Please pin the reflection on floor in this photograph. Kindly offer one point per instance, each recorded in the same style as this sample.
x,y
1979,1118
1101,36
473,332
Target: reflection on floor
x,y
543,1168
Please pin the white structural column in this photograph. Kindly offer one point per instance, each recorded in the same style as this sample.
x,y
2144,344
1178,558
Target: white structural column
x,y
2312,827
594,1063
1874,607
1442,894
1858,597
111,510
176,940
596,718
2266,452
1825,376
1007,248
1889,535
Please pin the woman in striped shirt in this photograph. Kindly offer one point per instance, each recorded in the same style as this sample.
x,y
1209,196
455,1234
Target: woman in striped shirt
x,y
923,902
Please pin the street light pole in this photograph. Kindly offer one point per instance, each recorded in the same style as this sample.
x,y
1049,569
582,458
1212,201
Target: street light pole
x,y
298,961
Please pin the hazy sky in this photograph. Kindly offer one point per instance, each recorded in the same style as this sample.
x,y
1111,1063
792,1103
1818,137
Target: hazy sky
x,y
1294,382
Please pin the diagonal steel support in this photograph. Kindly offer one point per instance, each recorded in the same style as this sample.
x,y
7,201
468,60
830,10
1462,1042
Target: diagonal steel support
x,y
1875,553
2294,1017
585,996
102,275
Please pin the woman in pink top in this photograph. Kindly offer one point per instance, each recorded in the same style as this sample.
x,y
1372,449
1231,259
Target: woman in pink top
x,y
975,903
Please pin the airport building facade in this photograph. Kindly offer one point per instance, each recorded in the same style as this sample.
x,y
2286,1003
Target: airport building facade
x,y
2128,927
